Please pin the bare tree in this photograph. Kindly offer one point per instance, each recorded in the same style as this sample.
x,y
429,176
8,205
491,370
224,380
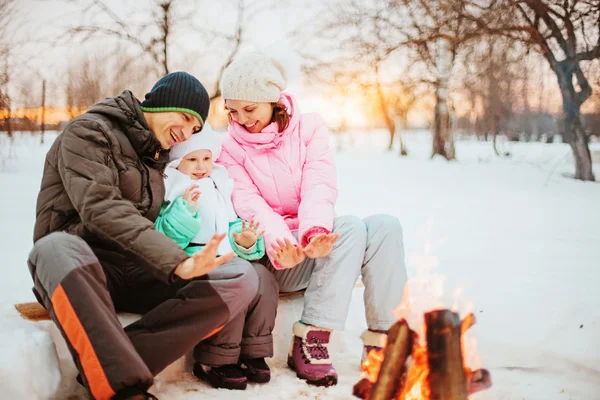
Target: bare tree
x,y
404,97
228,43
432,31
152,37
361,50
567,34
235,40
7,12
85,84
492,74
156,37
438,32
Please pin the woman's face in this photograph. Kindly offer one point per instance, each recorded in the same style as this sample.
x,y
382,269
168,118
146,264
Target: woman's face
x,y
252,115
197,165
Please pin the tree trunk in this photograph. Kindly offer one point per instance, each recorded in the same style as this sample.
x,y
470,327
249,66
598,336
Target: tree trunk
x,y
573,130
165,38
402,122
443,143
578,141
43,119
392,135
9,130
384,108
446,378
526,107
495,135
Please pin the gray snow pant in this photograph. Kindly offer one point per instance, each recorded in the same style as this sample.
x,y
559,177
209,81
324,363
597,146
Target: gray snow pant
x,y
372,248
82,295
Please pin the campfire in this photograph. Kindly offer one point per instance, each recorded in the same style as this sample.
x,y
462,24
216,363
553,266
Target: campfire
x,y
429,354
408,370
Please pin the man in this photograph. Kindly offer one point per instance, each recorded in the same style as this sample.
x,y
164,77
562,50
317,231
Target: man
x,y
96,250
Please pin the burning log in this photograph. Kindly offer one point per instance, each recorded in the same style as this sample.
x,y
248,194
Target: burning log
x,y
397,351
467,323
362,389
436,370
446,378
478,380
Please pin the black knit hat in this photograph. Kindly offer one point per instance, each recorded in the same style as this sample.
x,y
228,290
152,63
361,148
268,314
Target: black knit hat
x,y
178,91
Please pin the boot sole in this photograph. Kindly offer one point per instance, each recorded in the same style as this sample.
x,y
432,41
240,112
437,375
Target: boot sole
x,y
327,381
258,378
219,385
253,376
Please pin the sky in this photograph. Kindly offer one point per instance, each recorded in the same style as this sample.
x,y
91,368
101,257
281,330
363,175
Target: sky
x,y
47,53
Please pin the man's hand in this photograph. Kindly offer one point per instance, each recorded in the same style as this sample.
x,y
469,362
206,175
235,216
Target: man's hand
x,y
203,261
286,254
192,194
320,245
250,234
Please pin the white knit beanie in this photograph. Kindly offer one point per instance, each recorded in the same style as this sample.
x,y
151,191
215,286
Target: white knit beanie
x,y
207,139
259,76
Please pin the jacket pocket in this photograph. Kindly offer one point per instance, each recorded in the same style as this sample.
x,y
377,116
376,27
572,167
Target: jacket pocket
x,y
132,183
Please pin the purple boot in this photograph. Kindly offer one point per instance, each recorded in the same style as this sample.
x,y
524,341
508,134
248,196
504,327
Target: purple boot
x,y
372,341
309,356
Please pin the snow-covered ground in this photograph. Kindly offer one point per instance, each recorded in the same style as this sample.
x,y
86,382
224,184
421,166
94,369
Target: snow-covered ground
x,y
519,238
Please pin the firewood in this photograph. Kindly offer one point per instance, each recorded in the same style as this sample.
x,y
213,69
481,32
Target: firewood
x,y
32,311
396,352
446,378
478,380
362,389
467,323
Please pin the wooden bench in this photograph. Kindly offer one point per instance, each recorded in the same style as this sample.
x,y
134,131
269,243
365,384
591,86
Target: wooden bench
x,y
36,312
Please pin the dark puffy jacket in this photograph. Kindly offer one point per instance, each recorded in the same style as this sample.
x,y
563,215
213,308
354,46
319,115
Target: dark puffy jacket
x,y
103,182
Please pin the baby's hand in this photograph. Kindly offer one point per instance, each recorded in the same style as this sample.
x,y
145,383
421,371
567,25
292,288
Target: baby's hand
x,y
192,194
250,234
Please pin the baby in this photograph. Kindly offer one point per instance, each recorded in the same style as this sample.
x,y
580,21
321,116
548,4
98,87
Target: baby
x,y
198,201
198,205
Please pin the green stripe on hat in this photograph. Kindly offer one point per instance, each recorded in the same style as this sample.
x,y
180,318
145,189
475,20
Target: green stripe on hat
x,y
173,109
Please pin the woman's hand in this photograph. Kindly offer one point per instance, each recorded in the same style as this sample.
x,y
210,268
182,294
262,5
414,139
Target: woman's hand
x,y
192,194
203,261
286,254
320,245
250,234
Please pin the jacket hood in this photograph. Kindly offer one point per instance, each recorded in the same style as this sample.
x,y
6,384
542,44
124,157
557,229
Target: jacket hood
x,y
125,110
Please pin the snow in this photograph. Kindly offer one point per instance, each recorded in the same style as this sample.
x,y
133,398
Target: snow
x,y
516,236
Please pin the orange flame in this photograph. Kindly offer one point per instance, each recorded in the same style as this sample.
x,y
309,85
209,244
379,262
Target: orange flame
x,y
415,386
423,293
372,364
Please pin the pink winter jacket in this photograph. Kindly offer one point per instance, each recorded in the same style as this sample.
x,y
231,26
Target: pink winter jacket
x,y
286,181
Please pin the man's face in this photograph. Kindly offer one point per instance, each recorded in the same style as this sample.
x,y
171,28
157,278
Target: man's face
x,y
197,164
172,127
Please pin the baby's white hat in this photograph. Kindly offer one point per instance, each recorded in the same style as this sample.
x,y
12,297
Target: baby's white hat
x,y
207,139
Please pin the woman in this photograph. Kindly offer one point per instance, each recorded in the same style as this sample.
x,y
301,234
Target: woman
x,y
285,177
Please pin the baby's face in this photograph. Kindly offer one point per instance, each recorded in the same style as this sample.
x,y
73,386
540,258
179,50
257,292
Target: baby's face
x,y
197,164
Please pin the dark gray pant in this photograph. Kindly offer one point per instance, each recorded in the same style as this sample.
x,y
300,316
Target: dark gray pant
x,y
249,334
73,286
